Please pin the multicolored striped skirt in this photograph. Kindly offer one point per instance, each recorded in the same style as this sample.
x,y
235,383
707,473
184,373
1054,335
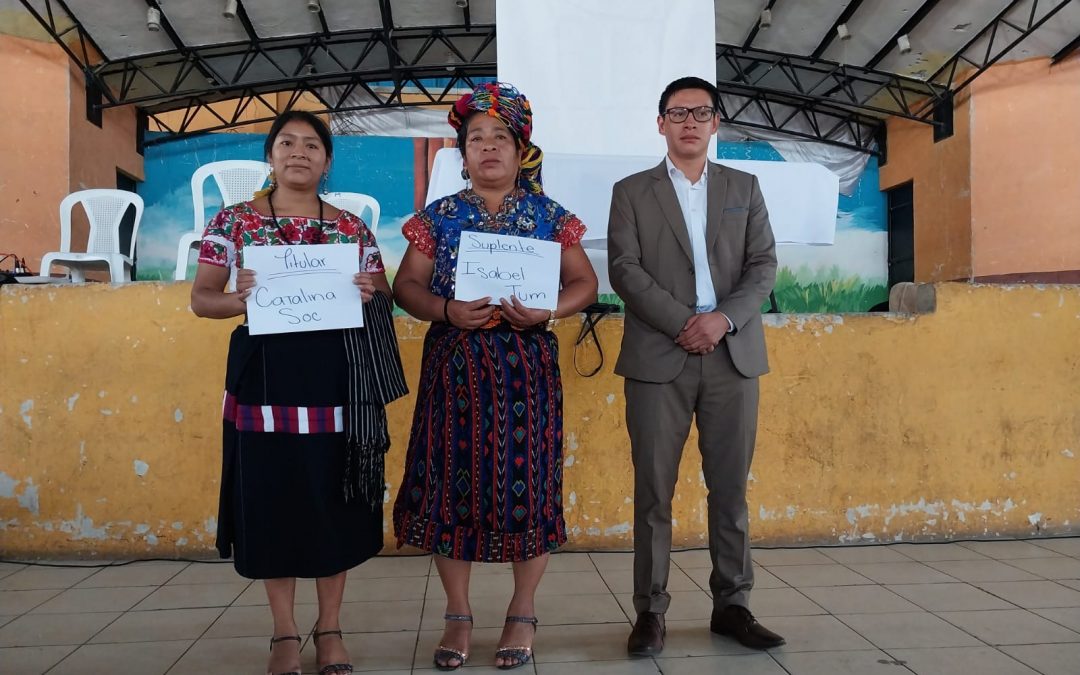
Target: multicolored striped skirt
x,y
483,470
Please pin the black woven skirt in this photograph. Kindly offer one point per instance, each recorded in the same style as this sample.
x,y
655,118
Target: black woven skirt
x,y
282,509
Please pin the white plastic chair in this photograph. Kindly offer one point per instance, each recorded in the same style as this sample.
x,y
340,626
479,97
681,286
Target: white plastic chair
x,y
237,180
355,203
105,210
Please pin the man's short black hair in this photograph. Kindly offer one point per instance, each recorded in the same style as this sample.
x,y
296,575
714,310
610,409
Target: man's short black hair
x,y
689,83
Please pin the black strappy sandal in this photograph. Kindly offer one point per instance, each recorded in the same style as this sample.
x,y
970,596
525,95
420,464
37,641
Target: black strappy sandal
x,y
521,655
447,653
333,668
274,641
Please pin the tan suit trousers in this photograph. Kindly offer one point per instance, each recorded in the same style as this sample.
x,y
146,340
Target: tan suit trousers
x,y
658,416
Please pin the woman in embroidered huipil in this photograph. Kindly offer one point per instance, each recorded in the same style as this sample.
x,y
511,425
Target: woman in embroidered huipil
x,y
302,484
483,472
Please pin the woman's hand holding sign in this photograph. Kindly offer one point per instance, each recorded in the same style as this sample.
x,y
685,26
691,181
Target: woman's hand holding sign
x,y
366,283
245,281
519,315
469,315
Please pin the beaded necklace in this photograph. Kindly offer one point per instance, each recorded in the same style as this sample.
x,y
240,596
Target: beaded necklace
x,y
273,214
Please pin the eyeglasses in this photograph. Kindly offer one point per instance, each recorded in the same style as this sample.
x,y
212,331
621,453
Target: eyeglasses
x,y
702,113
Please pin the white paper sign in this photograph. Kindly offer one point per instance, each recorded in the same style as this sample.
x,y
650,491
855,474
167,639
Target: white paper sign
x,y
303,288
498,266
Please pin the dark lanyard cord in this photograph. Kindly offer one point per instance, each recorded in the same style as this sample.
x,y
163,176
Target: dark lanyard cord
x,y
593,314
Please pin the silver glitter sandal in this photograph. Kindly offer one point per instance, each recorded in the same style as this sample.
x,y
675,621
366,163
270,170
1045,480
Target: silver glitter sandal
x,y
520,655
444,653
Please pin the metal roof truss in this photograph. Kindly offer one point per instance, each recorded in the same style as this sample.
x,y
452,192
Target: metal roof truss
x,y
803,96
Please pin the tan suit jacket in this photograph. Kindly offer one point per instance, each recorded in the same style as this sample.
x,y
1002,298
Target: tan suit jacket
x,y
651,265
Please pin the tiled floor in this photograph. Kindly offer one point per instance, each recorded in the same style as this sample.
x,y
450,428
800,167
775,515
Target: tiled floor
x,y
974,608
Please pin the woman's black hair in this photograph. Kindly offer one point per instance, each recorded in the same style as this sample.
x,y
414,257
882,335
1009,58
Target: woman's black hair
x,y
302,116
464,131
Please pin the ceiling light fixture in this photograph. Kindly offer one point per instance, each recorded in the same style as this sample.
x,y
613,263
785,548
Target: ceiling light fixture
x,y
843,32
313,6
230,9
766,19
153,19
451,61
904,44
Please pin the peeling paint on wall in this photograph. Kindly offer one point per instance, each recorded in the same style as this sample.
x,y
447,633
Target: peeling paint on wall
x,y
24,411
7,486
82,527
888,429
621,528
935,513
29,498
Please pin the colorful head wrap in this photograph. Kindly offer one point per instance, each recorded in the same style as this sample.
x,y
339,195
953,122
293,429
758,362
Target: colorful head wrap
x,y
505,103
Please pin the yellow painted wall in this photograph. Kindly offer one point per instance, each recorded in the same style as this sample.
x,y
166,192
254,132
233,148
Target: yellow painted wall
x,y
1000,196
51,148
34,165
961,423
1025,138
940,176
97,153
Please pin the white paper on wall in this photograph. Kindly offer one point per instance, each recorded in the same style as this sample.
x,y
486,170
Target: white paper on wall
x,y
594,71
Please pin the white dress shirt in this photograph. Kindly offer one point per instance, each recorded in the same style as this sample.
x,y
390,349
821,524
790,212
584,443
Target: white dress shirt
x,y
693,200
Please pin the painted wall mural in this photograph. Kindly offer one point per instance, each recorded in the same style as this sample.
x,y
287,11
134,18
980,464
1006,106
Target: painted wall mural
x,y
382,167
849,276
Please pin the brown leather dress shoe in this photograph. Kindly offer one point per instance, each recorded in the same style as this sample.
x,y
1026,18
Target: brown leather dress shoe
x,y
647,638
739,623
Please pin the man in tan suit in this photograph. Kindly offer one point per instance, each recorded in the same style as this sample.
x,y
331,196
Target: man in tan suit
x,y
693,257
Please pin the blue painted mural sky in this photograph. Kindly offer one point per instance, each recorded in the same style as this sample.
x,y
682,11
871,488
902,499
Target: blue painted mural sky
x,y
383,167
377,166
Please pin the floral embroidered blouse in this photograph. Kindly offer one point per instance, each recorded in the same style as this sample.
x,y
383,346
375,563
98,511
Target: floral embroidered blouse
x,y
240,225
436,230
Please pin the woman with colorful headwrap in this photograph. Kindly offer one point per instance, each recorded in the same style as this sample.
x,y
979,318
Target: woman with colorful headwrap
x,y
483,472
